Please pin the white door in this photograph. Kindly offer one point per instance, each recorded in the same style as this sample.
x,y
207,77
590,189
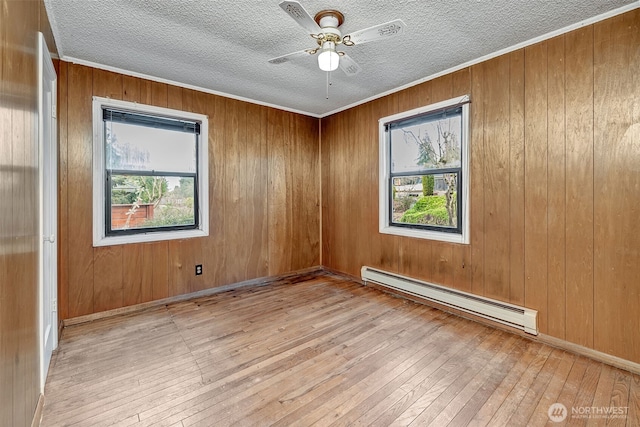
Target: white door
x,y
48,177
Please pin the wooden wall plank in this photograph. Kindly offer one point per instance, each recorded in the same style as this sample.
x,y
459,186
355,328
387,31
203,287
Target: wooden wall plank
x,y
307,198
461,82
384,247
442,258
477,179
107,84
535,218
304,194
496,178
442,88
616,186
352,173
63,194
354,253
214,247
133,274
381,247
176,97
326,183
556,186
366,180
461,261
295,186
183,256
235,170
341,196
516,177
280,216
146,87
145,272
131,89
108,265
579,189
107,278
256,248
160,270
159,93
79,185
337,134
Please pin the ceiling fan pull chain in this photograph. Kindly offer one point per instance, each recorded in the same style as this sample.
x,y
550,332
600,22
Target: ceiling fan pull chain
x,y
328,84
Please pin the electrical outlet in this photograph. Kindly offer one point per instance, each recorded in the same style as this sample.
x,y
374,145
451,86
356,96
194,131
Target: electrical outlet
x,y
198,269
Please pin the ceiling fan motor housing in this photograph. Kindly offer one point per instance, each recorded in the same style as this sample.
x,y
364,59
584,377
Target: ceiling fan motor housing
x,y
329,21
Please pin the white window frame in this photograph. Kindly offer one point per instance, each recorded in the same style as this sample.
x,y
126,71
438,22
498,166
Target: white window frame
x,y
385,225
99,174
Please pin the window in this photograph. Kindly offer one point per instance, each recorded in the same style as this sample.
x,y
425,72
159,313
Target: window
x,y
424,172
150,179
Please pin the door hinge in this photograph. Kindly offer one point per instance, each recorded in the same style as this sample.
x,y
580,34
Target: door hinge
x,y
54,111
54,305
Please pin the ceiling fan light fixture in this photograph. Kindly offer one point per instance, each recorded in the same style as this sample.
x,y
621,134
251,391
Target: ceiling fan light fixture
x,y
328,58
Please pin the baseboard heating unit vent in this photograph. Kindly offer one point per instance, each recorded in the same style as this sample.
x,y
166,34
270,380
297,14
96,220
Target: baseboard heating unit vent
x,y
507,314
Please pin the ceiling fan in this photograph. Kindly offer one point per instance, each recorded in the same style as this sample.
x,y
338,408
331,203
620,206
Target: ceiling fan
x,y
325,29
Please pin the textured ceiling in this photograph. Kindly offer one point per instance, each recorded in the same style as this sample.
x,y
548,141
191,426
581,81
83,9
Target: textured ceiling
x,y
224,46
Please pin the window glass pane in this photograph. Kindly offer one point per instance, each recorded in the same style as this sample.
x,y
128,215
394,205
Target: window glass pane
x,y
431,142
133,147
139,202
426,200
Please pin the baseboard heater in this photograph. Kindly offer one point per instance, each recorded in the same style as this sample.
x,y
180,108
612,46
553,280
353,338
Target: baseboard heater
x,y
497,311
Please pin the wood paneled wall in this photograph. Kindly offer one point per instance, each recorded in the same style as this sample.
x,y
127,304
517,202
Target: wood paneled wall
x,y
264,192
555,185
20,22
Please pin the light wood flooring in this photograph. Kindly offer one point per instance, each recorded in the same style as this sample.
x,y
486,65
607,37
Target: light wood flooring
x,y
319,350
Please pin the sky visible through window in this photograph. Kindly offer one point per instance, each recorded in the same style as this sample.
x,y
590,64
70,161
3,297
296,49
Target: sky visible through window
x,y
405,151
151,149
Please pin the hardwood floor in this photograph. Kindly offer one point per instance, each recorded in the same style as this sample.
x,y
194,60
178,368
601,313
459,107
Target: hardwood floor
x,y
319,350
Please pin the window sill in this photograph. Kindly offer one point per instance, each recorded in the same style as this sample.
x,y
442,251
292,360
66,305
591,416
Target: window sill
x,y
426,234
148,237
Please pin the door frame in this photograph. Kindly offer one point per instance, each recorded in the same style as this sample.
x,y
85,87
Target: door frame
x,y
48,195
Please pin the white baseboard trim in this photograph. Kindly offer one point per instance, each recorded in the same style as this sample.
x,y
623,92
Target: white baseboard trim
x,y
615,361
261,281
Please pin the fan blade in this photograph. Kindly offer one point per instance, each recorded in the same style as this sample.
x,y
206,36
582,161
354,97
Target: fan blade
x,y
349,66
381,31
289,56
301,16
